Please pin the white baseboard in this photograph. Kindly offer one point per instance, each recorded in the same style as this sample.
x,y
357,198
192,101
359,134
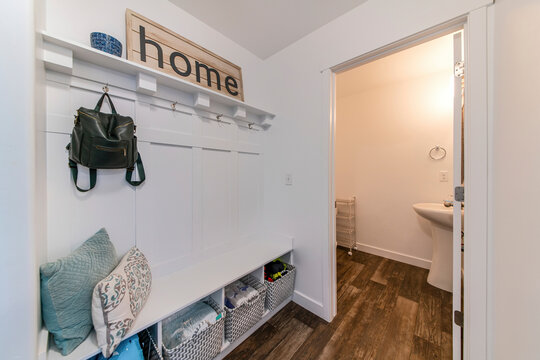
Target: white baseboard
x,y
394,255
309,304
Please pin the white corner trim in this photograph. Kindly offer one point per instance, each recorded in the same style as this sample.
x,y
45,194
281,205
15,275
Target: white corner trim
x,y
310,304
394,255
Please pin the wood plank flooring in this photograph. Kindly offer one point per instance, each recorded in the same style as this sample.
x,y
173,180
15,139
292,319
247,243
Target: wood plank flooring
x,y
386,311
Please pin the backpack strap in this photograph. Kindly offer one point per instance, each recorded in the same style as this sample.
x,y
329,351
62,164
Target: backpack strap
x,y
140,169
75,173
100,102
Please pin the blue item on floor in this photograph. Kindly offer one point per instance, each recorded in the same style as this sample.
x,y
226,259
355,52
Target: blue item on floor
x,y
129,349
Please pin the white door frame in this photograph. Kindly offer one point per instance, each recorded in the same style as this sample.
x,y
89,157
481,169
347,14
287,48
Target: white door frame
x,y
476,170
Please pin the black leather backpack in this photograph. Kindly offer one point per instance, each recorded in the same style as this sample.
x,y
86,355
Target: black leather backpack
x,y
104,141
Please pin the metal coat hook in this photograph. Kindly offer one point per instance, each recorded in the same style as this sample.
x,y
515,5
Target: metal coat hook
x,y
173,105
250,126
218,117
105,88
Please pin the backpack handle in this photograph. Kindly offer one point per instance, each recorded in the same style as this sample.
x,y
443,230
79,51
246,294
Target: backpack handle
x,y
140,168
75,173
100,102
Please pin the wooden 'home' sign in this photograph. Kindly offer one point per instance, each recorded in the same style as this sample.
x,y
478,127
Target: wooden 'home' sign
x,y
159,48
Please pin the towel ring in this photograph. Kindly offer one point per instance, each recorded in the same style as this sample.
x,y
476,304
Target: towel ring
x,y
433,153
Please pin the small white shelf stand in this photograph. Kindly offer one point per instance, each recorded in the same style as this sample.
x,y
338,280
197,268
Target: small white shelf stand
x,y
175,291
346,223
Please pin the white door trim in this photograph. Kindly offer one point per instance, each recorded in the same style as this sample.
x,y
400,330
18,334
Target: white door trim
x,y
476,170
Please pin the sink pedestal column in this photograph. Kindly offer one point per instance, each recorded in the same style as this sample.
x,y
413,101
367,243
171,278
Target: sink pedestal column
x,y
440,273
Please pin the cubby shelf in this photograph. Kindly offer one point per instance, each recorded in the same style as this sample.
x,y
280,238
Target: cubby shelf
x,y
175,291
59,54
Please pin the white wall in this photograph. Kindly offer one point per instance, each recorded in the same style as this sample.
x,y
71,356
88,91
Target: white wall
x,y
300,136
383,136
514,285
21,77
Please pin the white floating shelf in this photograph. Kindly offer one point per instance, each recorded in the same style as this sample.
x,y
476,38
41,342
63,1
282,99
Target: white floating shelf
x,y
59,53
175,291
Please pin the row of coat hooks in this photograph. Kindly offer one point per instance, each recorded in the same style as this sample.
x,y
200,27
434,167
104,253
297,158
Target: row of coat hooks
x,y
218,118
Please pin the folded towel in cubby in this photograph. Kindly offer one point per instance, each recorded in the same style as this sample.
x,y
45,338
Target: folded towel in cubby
x,y
238,293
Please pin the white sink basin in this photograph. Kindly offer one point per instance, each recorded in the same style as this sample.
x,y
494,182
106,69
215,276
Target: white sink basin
x,y
437,213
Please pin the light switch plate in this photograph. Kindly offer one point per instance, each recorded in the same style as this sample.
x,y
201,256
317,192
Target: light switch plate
x,y
443,176
288,179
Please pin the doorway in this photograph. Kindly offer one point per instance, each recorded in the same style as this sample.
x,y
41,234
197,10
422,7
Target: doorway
x,y
476,148
395,145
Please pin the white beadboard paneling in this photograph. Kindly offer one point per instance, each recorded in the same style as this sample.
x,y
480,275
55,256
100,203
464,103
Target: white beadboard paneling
x,y
216,198
215,130
249,195
247,136
154,117
74,216
164,204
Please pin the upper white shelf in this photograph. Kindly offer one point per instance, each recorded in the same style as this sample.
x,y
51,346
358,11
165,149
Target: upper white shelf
x,y
59,57
175,291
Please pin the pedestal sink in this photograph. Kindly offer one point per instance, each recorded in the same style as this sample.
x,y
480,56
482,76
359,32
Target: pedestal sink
x,y
441,223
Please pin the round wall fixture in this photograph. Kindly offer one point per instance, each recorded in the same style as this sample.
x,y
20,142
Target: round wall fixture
x,y
437,153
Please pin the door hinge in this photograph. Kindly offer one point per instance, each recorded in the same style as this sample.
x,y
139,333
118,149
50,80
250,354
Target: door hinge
x,y
458,318
459,193
459,69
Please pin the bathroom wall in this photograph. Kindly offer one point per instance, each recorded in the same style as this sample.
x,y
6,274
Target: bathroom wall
x,y
390,113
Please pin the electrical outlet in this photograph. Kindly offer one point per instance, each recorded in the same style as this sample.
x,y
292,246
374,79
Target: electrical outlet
x,y
443,176
288,179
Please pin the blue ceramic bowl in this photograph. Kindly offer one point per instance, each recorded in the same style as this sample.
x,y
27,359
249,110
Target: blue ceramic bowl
x,y
106,43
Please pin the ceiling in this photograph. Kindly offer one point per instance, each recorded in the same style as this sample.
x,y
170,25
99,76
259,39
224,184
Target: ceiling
x,y
427,58
265,27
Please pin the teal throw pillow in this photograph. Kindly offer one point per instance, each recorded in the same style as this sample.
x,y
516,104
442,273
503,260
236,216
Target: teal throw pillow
x,y
66,290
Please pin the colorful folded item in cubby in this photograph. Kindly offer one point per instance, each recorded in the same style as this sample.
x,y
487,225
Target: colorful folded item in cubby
x,y
275,270
238,293
188,322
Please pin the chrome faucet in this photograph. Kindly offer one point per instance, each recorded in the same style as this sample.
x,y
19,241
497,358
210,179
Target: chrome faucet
x,y
448,203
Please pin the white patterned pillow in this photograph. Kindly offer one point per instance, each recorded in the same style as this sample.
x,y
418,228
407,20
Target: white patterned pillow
x,y
119,298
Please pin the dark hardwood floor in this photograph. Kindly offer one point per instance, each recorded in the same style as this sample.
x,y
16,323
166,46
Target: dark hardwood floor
x,y
386,310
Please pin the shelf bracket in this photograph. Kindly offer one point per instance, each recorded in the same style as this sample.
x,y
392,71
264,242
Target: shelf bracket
x,y
146,84
57,58
266,121
201,101
239,112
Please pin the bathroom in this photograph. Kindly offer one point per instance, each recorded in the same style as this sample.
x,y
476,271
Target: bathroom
x,y
394,149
